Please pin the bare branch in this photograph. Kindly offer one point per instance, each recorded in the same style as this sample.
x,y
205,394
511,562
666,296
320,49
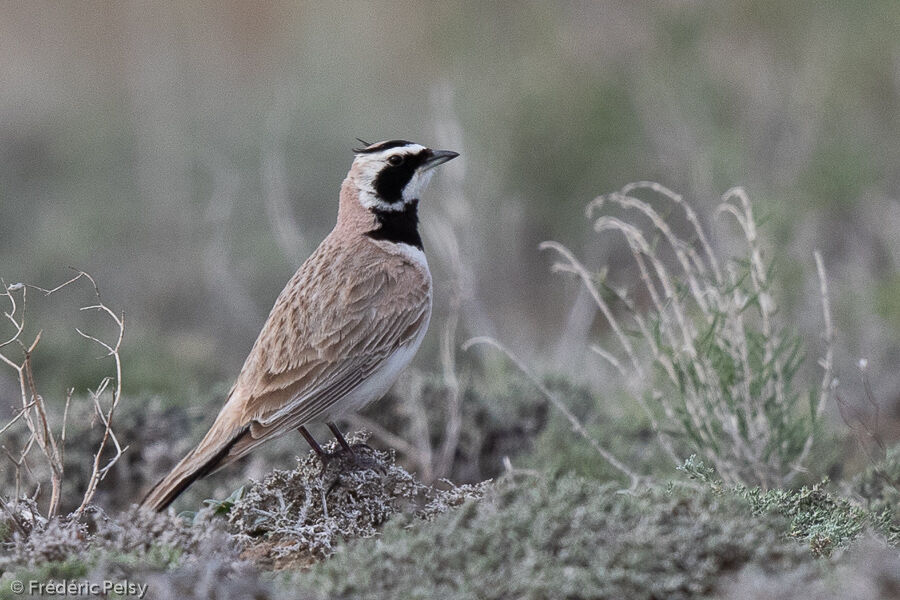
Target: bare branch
x,y
98,472
17,416
34,411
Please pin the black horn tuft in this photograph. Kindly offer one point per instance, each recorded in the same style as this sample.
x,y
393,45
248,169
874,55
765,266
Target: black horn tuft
x,y
381,146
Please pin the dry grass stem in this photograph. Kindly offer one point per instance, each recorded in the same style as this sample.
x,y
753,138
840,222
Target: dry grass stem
x,y
577,426
707,357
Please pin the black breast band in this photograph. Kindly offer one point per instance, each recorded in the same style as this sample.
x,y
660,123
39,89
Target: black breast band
x,y
398,226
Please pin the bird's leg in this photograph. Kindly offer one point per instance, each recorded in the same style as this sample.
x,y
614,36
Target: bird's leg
x,y
344,444
360,460
339,437
324,457
312,442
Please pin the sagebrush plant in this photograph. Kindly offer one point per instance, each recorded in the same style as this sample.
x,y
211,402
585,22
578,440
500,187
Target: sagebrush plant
x,y
707,358
820,519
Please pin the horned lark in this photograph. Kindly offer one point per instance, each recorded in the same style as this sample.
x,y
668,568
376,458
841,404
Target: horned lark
x,y
345,325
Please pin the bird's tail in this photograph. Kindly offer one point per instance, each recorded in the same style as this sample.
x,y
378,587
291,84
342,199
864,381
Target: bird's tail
x,y
211,453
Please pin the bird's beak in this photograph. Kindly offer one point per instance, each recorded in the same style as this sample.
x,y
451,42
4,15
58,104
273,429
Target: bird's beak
x,y
438,157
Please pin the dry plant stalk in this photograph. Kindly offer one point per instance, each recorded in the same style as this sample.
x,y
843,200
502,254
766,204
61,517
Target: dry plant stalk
x,y
33,411
863,418
706,360
577,426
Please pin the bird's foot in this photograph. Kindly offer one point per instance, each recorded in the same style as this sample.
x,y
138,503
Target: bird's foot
x,y
363,457
353,458
358,457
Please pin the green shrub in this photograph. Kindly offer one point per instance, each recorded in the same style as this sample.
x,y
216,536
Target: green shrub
x,y
818,518
562,538
821,520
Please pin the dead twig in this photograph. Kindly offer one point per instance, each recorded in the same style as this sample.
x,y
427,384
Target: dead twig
x,y
34,411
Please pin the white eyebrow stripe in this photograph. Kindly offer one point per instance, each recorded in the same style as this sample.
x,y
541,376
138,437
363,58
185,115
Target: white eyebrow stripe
x,y
383,154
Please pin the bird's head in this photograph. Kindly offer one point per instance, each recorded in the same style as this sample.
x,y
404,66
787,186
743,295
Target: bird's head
x,y
390,175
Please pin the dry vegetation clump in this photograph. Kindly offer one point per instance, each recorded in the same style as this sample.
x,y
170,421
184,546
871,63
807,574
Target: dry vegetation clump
x,y
34,438
157,436
295,517
174,557
698,340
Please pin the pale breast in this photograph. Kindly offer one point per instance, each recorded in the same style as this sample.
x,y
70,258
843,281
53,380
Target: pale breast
x,y
411,270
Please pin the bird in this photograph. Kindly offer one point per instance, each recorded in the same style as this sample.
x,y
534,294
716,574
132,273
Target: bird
x,y
343,328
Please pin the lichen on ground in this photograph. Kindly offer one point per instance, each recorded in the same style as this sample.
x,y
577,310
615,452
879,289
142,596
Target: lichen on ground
x,y
135,533
293,518
289,519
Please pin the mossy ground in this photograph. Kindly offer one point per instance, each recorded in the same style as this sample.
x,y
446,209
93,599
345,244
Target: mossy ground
x,y
382,534
555,522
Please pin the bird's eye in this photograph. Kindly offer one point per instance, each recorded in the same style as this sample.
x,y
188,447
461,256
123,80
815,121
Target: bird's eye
x,y
396,160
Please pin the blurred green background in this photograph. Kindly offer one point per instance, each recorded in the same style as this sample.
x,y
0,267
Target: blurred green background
x,y
188,155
